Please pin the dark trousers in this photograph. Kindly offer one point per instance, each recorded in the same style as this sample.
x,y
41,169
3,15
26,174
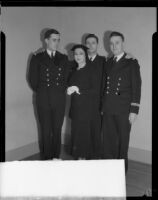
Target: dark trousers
x,y
116,134
81,139
51,120
96,137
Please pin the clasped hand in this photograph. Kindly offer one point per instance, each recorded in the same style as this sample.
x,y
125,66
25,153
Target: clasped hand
x,y
72,89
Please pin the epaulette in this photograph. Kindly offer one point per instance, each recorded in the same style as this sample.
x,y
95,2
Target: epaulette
x,y
38,52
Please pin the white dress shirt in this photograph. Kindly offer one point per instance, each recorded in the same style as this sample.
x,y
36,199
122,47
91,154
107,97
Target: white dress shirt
x,y
92,57
50,53
118,57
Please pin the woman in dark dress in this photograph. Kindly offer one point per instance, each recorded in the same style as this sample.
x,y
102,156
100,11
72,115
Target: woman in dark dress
x,y
82,87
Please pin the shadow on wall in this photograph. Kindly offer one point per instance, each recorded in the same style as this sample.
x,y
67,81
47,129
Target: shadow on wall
x,y
106,43
83,38
105,39
68,48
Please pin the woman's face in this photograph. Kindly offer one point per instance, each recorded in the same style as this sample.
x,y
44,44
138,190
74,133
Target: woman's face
x,y
79,55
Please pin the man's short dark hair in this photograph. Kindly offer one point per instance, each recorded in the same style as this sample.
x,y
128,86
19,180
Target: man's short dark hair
x,y
49,32
115,33
91,36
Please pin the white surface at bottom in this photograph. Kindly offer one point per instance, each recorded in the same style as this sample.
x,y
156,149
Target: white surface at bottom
x,y
95,178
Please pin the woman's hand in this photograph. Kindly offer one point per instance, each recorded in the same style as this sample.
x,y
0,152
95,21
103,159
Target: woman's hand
x,y
69,91
72,89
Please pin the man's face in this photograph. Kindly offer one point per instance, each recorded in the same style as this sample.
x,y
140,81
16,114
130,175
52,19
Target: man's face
x,y
53,42
116,45
92,45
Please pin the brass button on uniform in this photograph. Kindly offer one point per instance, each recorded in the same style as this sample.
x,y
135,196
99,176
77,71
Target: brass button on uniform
x,y
119,78
116,93
47,74
47,79
108,82
59,74
118,84
117,88
59,69
47,69
108,77
107,92
57,83
48,85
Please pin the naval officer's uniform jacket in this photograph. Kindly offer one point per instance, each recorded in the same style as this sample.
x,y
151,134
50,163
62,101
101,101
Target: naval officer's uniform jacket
x,y
48,79
122,86
121,96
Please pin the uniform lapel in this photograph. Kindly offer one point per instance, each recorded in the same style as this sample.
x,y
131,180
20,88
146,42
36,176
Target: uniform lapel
x,y
110,65
57,58
46,59
95,59
117,66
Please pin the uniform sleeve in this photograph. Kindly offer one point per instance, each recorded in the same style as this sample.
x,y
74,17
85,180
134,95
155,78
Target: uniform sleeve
x,y
136,87
69,72
33,74
93,89
103,81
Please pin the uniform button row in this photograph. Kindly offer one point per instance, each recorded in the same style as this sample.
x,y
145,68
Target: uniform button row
x,y
48,74
107,92
49,84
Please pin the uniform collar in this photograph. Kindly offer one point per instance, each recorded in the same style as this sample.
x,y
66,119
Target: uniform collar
x,y
50,52
118,57
92,57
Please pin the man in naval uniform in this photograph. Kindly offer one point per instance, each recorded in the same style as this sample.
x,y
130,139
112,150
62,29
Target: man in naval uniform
x,y
121,99
97,62
48,74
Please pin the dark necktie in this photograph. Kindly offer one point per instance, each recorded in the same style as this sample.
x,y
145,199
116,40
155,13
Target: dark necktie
x,y
90,59
52,55
115,60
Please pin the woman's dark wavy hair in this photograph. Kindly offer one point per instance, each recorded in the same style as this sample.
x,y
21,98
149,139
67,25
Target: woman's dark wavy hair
x,y
84,48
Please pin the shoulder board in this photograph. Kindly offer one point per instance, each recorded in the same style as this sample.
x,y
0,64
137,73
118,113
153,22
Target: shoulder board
x,y
39,52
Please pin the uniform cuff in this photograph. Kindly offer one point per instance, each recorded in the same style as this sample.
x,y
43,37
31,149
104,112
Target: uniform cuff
x,y
134,109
